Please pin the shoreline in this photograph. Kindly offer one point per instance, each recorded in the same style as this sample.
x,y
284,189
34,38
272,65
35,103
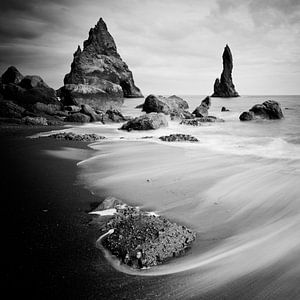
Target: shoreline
x,y
50,248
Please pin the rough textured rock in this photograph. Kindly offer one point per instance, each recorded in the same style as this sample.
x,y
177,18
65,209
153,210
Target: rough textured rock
x,y
225,87
224,109
70,136
72,108
9,109
98,76
113,115
50,109
26,90
200,121
269,110
178,138
140,239
11,75
78,118
87,110
247,116
202,109
172,105
35,121
146,122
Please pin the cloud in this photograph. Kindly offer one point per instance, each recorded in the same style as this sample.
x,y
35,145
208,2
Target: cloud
x,y
171,46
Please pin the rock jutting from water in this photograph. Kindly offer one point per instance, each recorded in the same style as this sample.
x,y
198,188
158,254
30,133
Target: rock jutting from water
x,y
224,86
202,109
146,122
141,239
269,110
98,77
173,105
179,138
70,136
200,121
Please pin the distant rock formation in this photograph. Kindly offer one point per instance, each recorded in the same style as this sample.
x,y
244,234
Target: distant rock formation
x,y
98,77
225,87
202,109
269,110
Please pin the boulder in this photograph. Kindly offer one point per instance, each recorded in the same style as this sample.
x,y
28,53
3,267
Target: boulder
x,y
9,109
224,86
35,121
202,109
72,108
178,138
49,109
146,122
140,239
113,115
99,66
269,110
224,109
12,75
247,116
173,105
87,110
70,136
200,121
78,118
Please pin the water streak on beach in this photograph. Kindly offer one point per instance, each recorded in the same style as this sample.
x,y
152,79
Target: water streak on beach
x,y
238,188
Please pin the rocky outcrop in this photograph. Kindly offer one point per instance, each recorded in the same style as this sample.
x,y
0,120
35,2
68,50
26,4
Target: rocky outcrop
x,y
224,86
141,240
172,105
146,122
202,109
200,121
269,110
26,90
78,118
98,77
9,109
35,121
70,136
224,109
179,138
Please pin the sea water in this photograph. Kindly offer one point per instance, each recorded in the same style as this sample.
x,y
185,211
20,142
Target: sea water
x,y
238,188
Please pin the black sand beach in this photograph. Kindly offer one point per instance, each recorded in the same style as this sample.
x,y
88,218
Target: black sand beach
x,y
49,246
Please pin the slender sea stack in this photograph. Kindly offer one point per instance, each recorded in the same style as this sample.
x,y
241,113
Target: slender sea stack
x,y
224,87
98,77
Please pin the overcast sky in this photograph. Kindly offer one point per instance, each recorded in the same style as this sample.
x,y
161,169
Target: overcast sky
x,y
171,46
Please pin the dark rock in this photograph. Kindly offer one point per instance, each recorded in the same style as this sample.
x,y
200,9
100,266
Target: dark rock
x,y
247,116
35,121
225,87
202,109
72,108
113,115
173,105
178,138
140,239
199,121
50,109
224,109
87,110
11,75
146,122
16,121
98,70
78,118
33,81
269,110
9,109
70,136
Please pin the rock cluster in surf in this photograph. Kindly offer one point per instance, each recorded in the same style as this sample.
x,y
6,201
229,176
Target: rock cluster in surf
x,y
179,138
269,110
70,136
224,86
140,239
98,77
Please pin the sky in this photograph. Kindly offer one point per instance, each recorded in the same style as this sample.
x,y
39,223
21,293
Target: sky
x,y
171,46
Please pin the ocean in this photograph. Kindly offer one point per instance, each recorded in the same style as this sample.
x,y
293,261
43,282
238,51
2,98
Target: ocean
x,y
238,188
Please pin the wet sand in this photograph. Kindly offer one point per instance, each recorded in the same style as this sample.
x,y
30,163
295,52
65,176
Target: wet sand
x,y
50,247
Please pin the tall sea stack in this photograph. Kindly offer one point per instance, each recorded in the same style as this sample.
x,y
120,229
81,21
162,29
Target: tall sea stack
x,y
224,87
98,77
